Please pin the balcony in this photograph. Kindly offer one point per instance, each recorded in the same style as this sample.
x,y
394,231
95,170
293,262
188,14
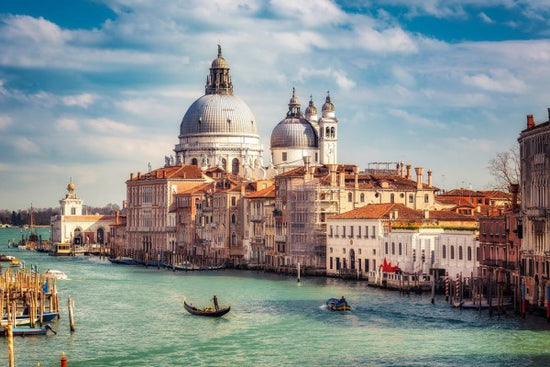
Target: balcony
x,y
280,238
277,213
257,218
536,213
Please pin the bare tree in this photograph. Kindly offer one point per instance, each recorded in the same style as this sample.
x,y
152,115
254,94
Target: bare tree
x,y
505,169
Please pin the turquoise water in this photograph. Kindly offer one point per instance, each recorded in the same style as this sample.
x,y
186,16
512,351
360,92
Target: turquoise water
x,y
134,316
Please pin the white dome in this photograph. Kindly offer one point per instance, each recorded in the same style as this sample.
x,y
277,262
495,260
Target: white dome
x,y
294,132
215,114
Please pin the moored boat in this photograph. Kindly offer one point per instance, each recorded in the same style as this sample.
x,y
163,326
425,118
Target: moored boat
x,y
61,249
123,260
207,311
57,274
28,331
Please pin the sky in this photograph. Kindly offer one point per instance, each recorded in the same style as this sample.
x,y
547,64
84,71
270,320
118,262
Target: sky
x,y
92,91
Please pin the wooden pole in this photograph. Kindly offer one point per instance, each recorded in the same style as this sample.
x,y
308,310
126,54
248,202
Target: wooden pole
x,y
298,272
71,320
433,286
11,360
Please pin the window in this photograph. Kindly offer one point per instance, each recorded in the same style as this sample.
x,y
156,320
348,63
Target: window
x,y
386,248
444,251
362,198
284,157
331,250
194,162
426,198
233,201
351,231
469,253
373,235
350,197
393,248
411,198
358,231
330,231
366,231
330,263
414,255
460,253
343,231
235,166
400,249
233,218
392,198
73,211
366,265
452,252
344,251
423,254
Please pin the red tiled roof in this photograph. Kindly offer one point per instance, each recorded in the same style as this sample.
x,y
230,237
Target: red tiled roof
x,y
268,192
380,211
171,172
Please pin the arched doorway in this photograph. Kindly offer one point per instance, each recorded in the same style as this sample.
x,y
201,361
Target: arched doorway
x,y
77,236
352,259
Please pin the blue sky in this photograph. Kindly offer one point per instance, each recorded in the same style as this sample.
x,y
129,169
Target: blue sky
x,y
96,90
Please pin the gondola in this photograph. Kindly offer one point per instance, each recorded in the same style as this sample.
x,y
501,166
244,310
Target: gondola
x,y
335,304
207,311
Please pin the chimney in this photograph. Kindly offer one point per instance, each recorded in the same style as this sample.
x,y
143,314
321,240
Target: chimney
x,y
402,169
117,217
429,177
332,169
419,171
307,160
139,175
356,176
408,177
243,191
163,173
131,176
514,189
530,121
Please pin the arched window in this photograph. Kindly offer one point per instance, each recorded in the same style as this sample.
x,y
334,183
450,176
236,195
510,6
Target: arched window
x,y
469,253
235,166
350,197
393,248
400,249
392,198
411,199
224,164
460,253
233,219
452,252
444,251
362,198
426,199
327,134
194,162
233,239
332,132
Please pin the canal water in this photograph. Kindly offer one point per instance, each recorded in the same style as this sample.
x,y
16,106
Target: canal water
x,y
134,316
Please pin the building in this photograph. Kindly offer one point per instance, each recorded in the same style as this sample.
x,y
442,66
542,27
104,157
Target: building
x,y
151,208
361,240
220,130
73,227
474,203
499,243
534,144
301,135
308,195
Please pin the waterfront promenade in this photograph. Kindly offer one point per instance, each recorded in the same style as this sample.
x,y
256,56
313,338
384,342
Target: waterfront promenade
x,y
134,316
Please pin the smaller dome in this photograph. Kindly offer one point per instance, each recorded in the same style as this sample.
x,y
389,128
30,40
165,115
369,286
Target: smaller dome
x,y
220,63
328,106
70,187
311,109
294,100
294,132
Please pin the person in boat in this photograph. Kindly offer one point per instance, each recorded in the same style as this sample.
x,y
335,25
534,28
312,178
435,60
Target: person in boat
x,y
343,301
215,302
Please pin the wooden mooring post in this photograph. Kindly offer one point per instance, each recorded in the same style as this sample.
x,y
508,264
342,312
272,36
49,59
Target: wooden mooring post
x,y
71,319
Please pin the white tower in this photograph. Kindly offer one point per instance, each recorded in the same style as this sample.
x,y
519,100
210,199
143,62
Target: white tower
x,y
328,136
71,204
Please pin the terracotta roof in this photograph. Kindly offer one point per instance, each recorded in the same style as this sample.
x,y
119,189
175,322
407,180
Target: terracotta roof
x,y
463,192
381,211
171,172
497,194
268,192
198,189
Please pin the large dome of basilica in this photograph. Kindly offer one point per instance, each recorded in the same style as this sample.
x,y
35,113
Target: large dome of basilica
x,y
219,114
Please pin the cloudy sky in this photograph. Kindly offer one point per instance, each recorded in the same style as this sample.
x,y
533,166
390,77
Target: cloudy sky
x,y
96,90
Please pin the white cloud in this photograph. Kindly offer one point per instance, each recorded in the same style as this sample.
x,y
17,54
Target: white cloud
x,y
5,121
25,145
311,13
411,119
339,76
484,17
496,81
387,40
67,125
81,100
106,125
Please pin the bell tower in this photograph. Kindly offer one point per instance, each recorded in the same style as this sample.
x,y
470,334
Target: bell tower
x,y
328,133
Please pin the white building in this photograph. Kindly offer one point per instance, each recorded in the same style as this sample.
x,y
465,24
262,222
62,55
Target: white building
x,y
361,240
301,135
71,226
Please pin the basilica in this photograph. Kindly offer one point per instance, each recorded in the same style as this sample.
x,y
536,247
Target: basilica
x,y
220,130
